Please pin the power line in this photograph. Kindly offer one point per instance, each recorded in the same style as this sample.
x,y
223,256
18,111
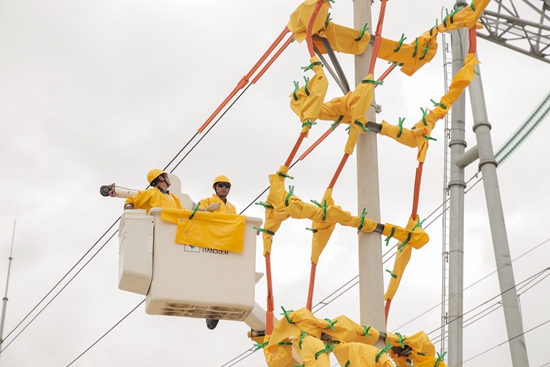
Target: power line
x,y
57,294
112,225
59,282
507,341
485,312
107,332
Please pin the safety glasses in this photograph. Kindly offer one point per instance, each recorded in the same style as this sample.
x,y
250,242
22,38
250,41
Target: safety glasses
x,y
223,185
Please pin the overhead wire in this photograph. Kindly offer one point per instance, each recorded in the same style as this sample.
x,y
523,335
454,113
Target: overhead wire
x,y
74,266
244,80
325,302
107,332
484,312
57,294
504,342
112,225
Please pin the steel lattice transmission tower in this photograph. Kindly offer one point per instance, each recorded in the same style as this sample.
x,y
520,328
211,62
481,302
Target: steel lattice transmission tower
x,y
520,25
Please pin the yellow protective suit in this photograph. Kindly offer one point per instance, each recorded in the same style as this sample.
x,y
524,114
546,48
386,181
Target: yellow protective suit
x,y
209,230
226,207
153,198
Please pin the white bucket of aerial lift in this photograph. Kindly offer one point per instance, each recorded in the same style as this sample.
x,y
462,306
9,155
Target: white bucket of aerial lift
x,y
135,254
201,282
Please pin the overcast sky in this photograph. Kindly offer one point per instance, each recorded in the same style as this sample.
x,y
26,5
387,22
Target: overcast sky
x,y
100,92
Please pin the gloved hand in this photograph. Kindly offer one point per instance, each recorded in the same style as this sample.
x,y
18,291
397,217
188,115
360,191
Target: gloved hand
x,y
213,207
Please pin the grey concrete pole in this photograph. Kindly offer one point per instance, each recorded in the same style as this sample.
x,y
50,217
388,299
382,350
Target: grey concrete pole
x,y
457,186
371,283
488,165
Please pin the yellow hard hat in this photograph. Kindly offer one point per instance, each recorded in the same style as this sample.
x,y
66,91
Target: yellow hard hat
x,y
221,178
154,173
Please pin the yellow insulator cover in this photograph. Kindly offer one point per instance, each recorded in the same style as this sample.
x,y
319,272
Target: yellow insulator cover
x,y
353,107
413,55
208,230
322,230
467,17
343,39
417,136
277,357
362,355
299,19
308,104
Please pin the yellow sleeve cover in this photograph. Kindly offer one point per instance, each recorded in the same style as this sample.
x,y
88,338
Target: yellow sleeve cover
x,y
418,136
412,56
346,330
467,17
307,104
343,39
299,19
357,354
401,260
353,107
321,230
208,230
352,343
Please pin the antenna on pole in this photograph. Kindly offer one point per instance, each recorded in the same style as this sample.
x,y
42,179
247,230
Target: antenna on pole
x,y
5,299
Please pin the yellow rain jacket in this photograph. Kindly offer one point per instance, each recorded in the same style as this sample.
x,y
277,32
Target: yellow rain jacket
x,y
226,207
154,198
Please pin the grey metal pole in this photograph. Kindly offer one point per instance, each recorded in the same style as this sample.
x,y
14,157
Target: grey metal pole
x,y
5,299
457,186
488,167
371,283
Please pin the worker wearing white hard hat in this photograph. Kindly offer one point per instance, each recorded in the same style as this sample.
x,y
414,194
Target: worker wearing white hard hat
x,y
218,202
157,196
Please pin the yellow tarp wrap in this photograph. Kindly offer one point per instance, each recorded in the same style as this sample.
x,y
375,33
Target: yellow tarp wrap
x,y
401,260
307,104
467,17
349,341
411,56
208,230
322,230
285,205
362,355
353,107
343,39
418,135
299,19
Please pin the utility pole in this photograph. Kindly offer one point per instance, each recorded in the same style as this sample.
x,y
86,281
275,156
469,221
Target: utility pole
x,y
488,168
457,185
5,299
371,283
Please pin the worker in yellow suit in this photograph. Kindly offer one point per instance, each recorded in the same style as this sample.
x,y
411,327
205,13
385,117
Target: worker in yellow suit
x,y
218,203
157,196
